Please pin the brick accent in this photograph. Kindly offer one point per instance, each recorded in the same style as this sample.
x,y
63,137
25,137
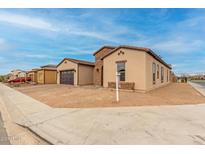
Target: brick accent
x,y
122,85
98,70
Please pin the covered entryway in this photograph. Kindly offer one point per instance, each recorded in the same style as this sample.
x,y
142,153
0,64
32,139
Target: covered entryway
x,y
67,77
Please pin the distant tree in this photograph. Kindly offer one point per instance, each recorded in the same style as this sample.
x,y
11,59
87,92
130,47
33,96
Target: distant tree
x,y
1,78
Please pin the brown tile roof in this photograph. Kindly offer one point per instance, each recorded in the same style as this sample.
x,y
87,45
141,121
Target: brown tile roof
x,y
83,62
49,66
109,47
149,51
33,70
51,69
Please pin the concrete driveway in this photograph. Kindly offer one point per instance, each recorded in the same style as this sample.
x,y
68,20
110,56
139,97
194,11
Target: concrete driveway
x,y
180,124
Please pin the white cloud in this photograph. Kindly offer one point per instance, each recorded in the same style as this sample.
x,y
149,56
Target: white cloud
x,y
22,54
3,45
178,45
98,31
2,59
36,56
40,23
97,35
1,40
27,21
78,52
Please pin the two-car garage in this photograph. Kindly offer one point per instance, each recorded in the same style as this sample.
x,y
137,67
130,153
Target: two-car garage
x,y
75,72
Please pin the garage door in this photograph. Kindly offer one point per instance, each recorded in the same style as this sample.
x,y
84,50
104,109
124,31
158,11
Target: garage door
x,y
67,77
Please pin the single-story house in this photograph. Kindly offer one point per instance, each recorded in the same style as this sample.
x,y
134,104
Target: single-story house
x,y
17,74
47,74
75,72
138,68
33,75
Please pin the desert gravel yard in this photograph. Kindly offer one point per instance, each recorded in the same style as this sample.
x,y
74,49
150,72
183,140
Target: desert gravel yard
x,y
90,96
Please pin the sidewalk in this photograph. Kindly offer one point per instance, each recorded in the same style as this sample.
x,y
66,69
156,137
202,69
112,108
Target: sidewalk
x,y
183,124
3,134
11,114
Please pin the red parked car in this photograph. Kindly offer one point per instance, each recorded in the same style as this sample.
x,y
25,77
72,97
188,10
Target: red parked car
x,y
20,79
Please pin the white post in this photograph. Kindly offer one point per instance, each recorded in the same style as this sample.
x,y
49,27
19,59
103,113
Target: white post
x,y
117,87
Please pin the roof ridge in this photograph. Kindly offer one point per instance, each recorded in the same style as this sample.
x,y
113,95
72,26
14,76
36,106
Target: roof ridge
x,y
147,50
105,46
79,60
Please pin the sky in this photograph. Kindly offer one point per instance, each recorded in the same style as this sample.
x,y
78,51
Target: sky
x,y
30,38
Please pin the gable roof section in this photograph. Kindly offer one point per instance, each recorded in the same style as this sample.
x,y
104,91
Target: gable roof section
x,y
147,50
109,47
34,70
83,62
49,66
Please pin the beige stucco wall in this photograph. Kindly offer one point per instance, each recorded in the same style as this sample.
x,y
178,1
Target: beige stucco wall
x,y
40,76
85,74
50,77
67,65
135,67
33,76
149,81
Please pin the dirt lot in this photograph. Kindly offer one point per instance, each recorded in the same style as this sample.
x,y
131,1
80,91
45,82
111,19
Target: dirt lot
x,y
89,96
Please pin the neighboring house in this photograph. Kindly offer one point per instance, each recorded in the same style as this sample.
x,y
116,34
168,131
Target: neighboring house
x,y
75,72
16,74
182,79
138,68
33,75
47,74
173,77
22,74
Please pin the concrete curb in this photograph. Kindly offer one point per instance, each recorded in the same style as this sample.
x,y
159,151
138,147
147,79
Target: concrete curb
x,y
197,87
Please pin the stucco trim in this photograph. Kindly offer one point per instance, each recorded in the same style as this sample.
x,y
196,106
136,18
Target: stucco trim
x,y
78,76
72,69
121,61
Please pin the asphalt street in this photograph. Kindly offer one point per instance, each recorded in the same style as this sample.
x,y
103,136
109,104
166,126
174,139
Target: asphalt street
x,y
201,83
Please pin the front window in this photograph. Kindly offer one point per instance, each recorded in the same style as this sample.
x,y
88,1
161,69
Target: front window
x,y
157,71
162,74
121,70
154,73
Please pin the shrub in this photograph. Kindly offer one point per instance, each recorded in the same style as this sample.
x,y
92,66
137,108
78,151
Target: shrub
x,y
2,78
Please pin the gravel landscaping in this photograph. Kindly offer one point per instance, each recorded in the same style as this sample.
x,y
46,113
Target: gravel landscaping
x,y
64,96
